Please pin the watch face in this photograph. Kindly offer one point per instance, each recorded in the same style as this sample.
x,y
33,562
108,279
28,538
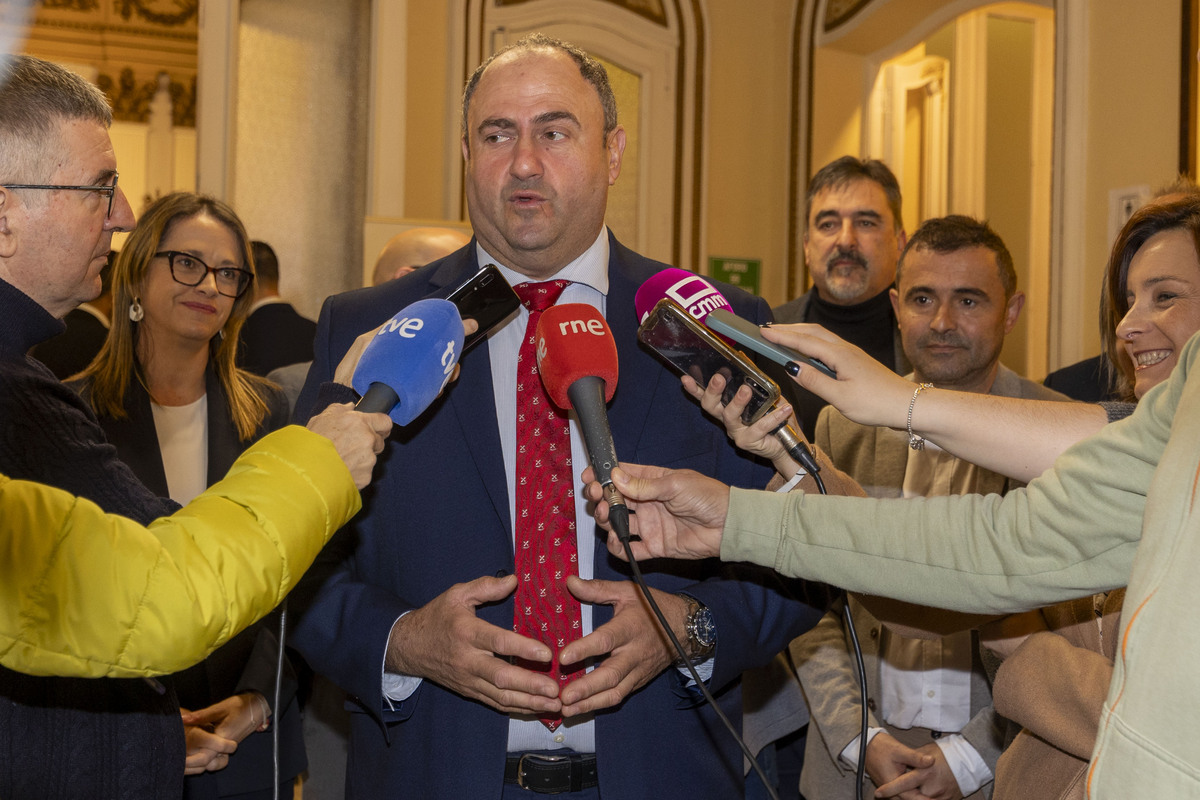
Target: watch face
x,y
704,629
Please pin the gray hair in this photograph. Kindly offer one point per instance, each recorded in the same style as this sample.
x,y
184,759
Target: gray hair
x,y
592,71
36,98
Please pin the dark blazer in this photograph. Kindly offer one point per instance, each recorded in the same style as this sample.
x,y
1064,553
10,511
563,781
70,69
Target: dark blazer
x,y
274,336
1089,381
807,405
74,348
248,661
437,514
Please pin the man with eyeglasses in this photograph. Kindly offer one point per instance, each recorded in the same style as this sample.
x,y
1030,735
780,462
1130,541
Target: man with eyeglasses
x,y
59,207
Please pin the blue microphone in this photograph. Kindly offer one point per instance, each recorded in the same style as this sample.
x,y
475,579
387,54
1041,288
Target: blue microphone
x,y
409,362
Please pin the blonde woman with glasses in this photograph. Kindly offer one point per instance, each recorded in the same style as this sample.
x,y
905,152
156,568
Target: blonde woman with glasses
x,y
171,399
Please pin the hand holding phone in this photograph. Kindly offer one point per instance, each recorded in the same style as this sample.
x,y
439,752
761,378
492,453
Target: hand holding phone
x,y
747,334
486,298
691,349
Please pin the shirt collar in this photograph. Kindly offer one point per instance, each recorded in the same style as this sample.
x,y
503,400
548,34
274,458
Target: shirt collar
x,y
590,267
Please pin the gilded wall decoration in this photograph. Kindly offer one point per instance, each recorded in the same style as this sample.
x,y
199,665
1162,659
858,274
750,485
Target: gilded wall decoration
x,y
161,12
128,44
652,10
131,98
183,104
75,5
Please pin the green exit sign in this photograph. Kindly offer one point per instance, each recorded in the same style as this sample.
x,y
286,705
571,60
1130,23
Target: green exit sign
x,y
741,272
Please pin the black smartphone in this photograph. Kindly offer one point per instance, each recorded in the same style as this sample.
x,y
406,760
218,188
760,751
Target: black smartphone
x,y
486,298
749,335
691,349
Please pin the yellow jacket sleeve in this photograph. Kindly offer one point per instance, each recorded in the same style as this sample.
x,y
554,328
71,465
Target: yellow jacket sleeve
x,y
89,594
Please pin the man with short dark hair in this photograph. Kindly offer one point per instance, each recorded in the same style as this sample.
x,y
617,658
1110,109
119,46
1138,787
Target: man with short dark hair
x,y
420,626
853,236
932,720
274,334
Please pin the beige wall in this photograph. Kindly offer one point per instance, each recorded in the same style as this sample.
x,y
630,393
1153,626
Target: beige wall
x,y
300,146
432,111
748,129
1130,139
1133,111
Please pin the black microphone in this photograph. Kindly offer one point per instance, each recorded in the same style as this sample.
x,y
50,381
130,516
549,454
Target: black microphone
x,y
577,361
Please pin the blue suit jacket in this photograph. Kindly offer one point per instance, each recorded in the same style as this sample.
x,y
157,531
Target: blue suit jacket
x,y
437,514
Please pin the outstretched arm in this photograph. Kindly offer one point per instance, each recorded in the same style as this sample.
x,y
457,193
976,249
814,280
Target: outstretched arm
x,y
1021,438
89,594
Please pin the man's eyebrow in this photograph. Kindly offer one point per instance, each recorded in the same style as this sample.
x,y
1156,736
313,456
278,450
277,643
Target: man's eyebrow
x,y
103,177
502,123
556,116
958,291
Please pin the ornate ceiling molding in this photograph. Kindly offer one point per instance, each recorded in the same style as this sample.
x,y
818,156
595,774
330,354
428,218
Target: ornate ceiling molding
x,y
652,10
170,13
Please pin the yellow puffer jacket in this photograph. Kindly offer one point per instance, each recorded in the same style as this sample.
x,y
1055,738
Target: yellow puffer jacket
x,y
89,594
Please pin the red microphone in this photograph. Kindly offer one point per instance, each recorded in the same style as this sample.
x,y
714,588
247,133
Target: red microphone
x,y
577,359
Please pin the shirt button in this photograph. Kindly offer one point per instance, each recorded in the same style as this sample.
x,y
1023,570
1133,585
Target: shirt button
x,y
932,693
558,738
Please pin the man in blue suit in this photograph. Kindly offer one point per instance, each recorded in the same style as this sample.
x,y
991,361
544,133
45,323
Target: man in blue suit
x,y
417,622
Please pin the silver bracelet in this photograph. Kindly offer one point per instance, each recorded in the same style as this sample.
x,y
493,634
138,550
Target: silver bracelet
x,y
914,441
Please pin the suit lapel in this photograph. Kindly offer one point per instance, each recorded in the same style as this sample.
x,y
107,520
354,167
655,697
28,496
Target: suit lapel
x,y
472,398
638,378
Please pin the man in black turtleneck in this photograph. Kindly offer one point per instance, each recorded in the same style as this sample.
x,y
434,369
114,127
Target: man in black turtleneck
x,y
853,238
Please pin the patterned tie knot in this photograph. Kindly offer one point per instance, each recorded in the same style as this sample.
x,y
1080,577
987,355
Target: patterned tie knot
x,y
539,296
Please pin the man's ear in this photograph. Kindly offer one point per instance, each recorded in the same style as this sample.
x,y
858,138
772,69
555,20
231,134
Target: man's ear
x,y
8,239
1013,311
895,298
616,149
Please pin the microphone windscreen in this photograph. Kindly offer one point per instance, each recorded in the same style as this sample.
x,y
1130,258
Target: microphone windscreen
x,y
413,354
573,342
697,296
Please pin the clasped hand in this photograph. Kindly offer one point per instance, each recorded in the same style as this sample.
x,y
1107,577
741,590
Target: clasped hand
x,y
445,642
212,734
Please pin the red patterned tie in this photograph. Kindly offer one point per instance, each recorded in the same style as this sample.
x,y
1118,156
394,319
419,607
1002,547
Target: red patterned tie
x,y
545,502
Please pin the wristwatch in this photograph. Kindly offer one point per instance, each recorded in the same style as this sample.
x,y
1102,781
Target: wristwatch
x,y
701,629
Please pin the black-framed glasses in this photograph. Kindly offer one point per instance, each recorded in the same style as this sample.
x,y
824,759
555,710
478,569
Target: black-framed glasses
x,y
191,271
109,189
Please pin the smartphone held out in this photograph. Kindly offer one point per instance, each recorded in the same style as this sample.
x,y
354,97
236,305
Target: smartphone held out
x,y
690,349
486,298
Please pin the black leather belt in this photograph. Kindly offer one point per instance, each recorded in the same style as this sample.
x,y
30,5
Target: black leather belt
x,y
551,772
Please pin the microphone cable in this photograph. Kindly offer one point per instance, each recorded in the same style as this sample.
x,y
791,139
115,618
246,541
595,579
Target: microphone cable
x,y
640,580
278,695
619,518
861,771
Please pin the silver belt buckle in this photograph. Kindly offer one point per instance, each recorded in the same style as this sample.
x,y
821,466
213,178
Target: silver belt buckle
x,y
521,765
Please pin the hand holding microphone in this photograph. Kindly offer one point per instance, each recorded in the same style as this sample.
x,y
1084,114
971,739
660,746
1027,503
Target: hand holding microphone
x,y
410,360
702,300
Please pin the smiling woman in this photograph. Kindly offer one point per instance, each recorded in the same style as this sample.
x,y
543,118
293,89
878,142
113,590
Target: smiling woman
x,y
171,399
1151,301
